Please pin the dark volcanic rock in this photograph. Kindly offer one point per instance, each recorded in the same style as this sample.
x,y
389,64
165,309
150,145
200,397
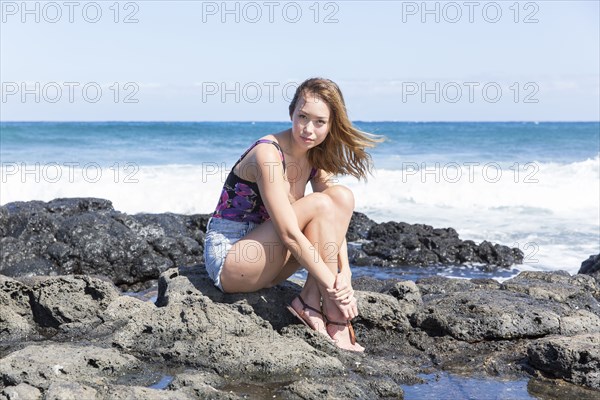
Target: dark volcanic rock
x,y
176,237
399,243
575,358
87,236
530,305
102,244
347,389
195,331
470,316
591,266
359,227
73,303
578,291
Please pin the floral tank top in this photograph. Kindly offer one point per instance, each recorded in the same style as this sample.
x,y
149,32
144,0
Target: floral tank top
x,y
240,199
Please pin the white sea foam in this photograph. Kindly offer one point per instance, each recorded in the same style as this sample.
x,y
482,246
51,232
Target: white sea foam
x,y
549,210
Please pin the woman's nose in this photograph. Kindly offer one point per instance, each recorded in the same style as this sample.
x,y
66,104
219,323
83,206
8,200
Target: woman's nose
x,y
309,127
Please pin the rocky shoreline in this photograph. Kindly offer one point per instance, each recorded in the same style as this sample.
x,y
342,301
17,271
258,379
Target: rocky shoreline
x,y
67,330
87,236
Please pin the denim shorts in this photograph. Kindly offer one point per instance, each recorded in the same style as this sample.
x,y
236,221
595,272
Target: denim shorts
x,y
221,234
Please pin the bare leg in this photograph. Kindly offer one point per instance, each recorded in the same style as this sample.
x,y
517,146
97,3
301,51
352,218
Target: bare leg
x,y
311,295
261,260
329,242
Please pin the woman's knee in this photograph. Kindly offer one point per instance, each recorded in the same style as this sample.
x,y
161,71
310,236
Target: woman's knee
x,y
321,204
341,196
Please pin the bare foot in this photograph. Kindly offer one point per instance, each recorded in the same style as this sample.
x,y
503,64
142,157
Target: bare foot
x,y
313,318
340,331
342,339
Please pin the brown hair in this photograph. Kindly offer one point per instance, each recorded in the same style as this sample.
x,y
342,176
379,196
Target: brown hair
x,y
343,150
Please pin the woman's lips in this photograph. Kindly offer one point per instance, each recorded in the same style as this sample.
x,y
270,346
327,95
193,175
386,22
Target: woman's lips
x,y
306,140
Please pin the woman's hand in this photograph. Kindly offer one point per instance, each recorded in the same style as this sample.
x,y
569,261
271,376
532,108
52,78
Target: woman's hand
x,y
341,291
343,295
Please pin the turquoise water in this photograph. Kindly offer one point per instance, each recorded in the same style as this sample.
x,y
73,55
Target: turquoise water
x,y
161,143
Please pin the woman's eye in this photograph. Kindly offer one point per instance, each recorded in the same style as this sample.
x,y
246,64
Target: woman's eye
x,y
302,116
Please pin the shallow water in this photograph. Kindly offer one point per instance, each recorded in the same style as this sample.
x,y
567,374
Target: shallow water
x,y
415,273
444,386
438,386
149,294
163,382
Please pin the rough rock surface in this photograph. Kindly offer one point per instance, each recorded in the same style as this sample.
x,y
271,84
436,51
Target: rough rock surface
x,y
78,336
16,315
197,332
39,365
399,243
574,358
527,306
21,391
92,341
129,342
87,236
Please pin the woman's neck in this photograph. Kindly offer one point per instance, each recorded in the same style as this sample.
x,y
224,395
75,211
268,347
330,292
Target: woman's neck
x,y
296,153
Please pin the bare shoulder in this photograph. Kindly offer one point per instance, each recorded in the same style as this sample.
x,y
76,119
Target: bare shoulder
x,y
266,152
268,162
262,157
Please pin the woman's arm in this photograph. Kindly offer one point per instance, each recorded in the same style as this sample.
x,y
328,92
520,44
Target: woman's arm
x,y
343,263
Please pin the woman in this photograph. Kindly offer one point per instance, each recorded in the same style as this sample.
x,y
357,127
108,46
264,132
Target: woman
x,y
264,228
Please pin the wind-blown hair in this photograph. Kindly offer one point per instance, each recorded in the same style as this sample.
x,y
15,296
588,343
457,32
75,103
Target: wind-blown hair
x,y
343,150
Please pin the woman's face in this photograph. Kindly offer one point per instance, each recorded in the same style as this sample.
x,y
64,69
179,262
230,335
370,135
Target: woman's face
x,y
310,121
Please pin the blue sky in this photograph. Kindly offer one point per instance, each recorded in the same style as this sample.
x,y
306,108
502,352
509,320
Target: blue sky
x,y
192,61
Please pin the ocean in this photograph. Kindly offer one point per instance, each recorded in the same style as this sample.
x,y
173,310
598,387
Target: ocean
x,y
535,186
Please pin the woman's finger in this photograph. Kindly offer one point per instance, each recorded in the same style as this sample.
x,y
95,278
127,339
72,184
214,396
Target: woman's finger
x,y
349,298
338,290
348,307
353,306
340,295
